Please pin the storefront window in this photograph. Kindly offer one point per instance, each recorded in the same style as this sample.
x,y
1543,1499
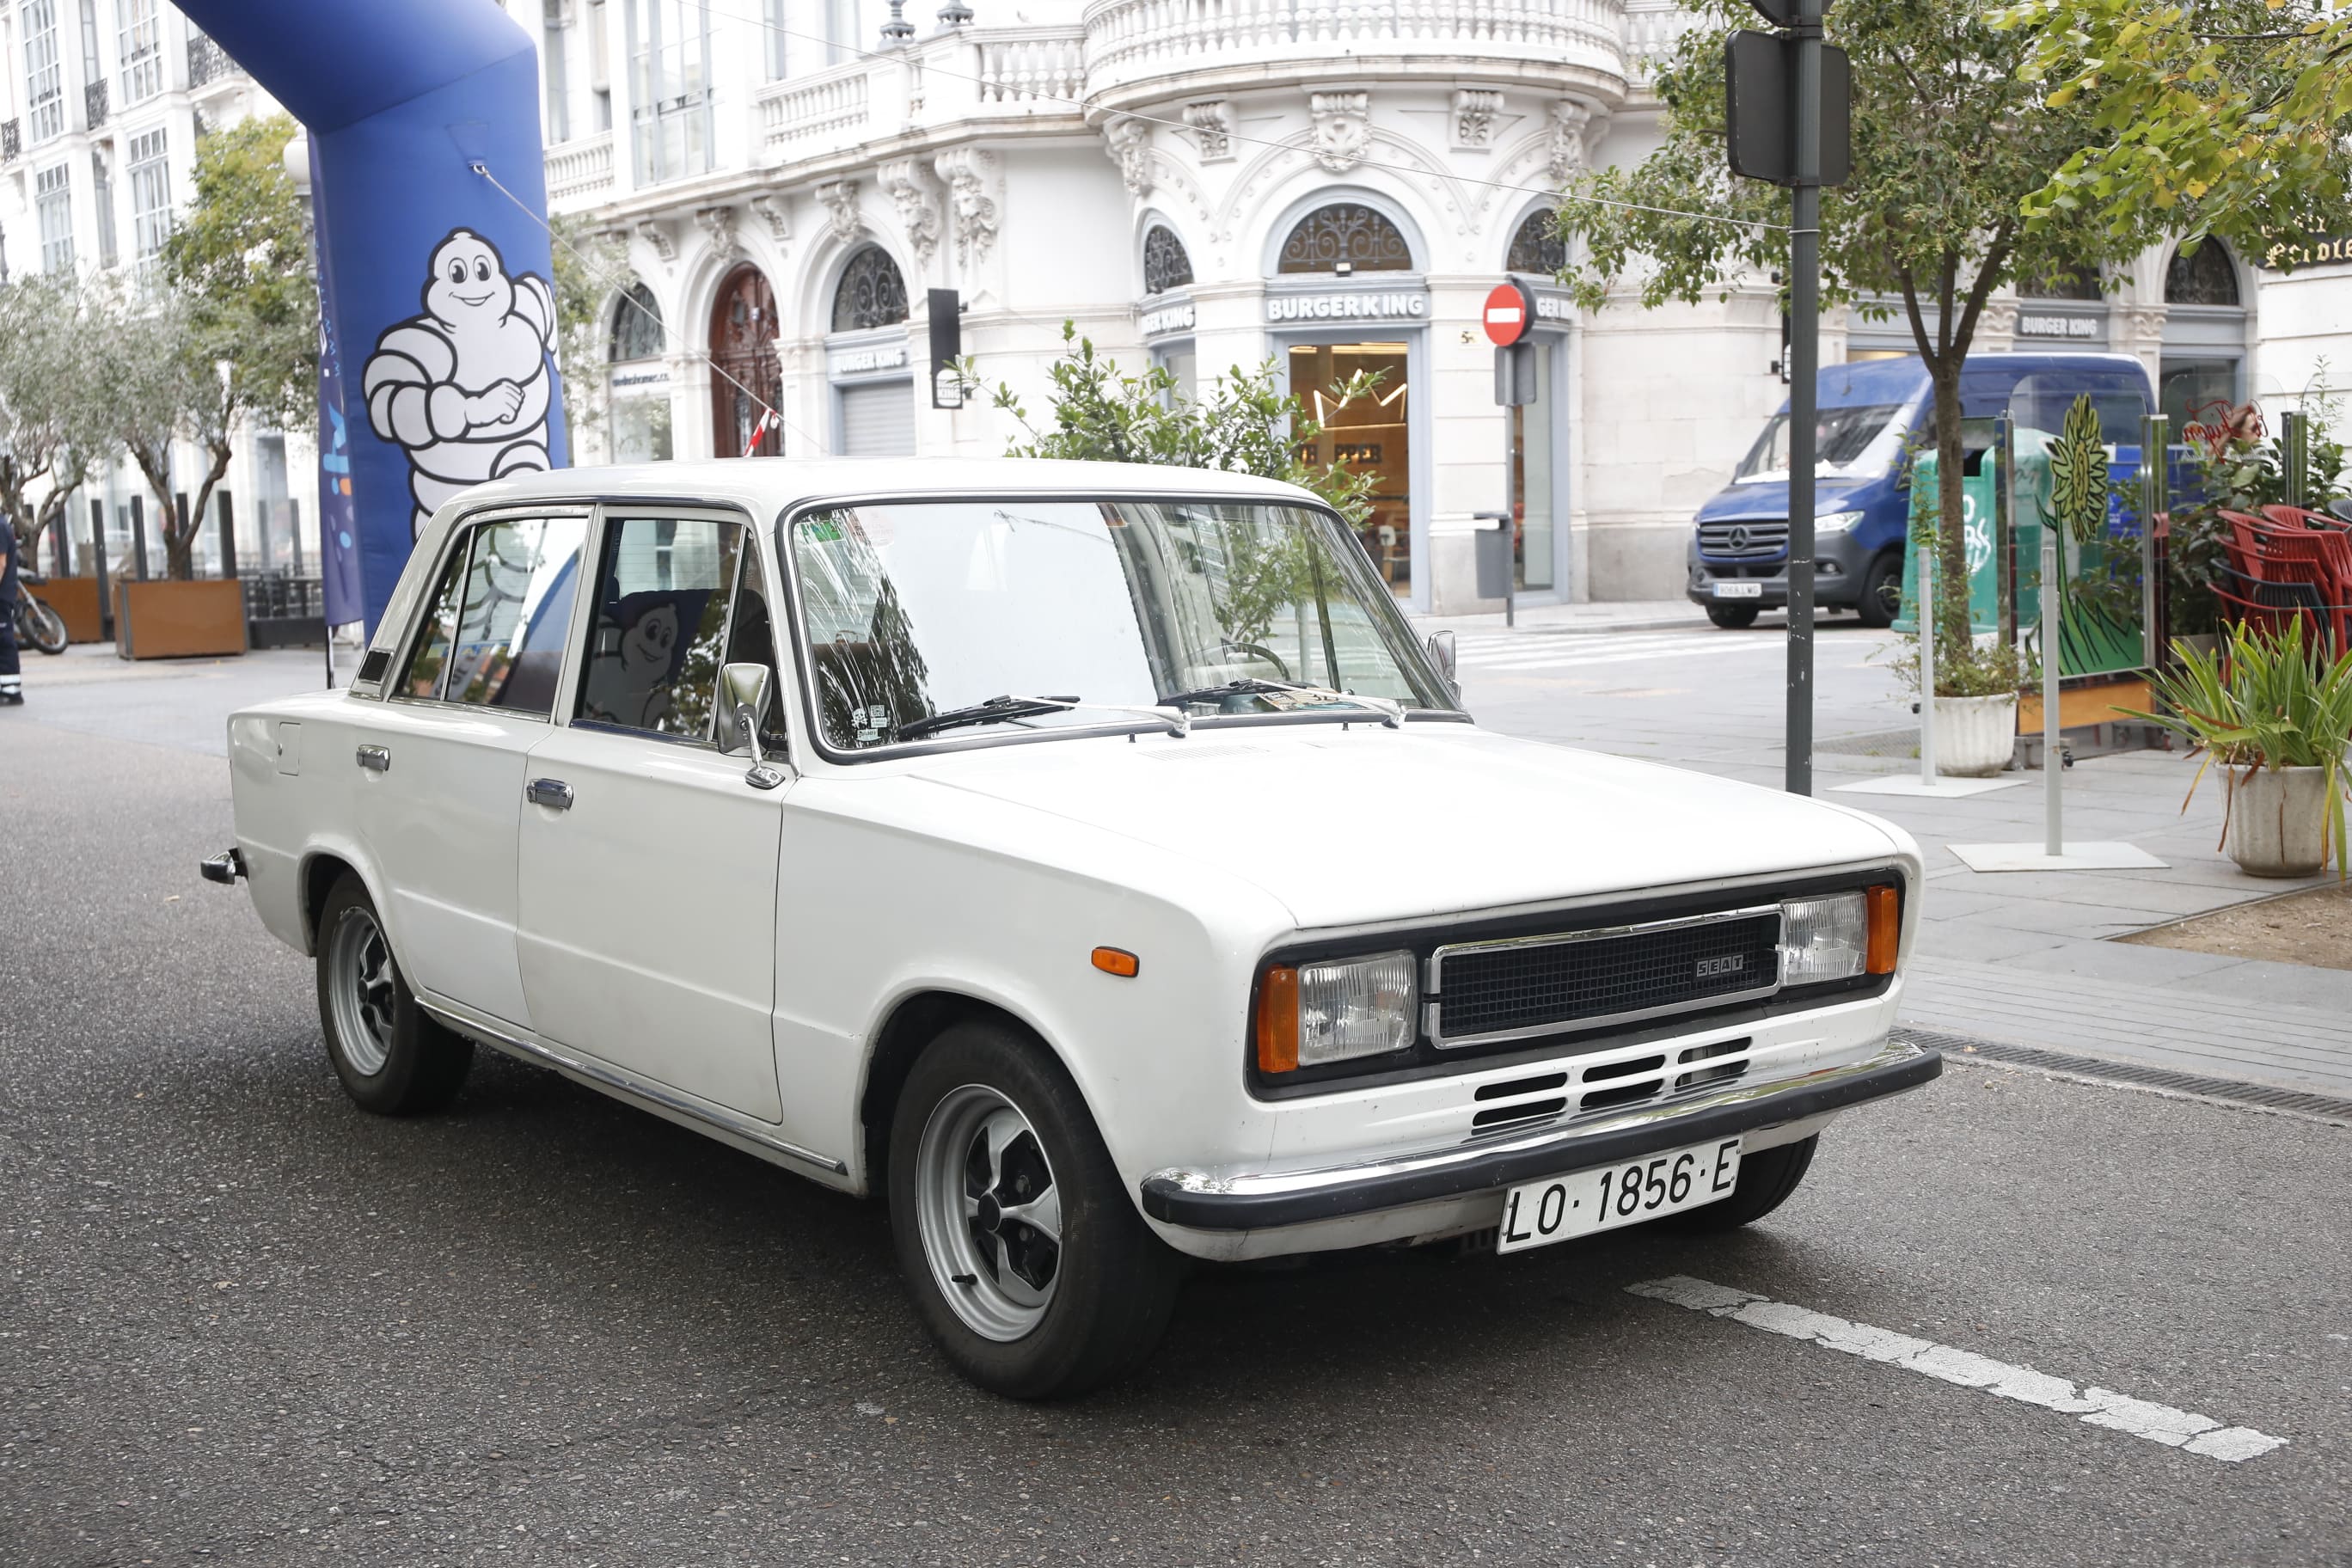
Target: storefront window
x,y
641,430
1531,478
2189,387
1367,436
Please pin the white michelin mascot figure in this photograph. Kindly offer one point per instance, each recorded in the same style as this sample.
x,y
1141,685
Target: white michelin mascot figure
x,y
464,387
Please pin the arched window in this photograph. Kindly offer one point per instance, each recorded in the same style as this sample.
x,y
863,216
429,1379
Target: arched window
x,y
636,326
2062,283
1165,263
872,293
1346,237
1538,247
2204,277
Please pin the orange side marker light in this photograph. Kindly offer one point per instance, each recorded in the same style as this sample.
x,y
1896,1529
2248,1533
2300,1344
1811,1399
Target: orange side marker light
x,y
1278,1020
1116,961
1886,929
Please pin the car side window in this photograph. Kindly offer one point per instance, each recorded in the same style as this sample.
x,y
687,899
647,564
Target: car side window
x,y
517,612
430,658
663,589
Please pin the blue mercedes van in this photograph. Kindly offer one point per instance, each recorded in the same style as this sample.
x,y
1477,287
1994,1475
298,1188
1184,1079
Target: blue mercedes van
x,y
1873,414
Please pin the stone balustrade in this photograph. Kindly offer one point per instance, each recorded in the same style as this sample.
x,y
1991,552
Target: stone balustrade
x,y
580,167
812,113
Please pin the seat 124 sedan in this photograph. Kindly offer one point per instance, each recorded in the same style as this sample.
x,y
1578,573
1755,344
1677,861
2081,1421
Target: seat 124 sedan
x,y
1086,857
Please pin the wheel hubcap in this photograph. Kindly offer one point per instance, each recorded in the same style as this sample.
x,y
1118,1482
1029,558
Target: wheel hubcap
x,y
990,1213
364,984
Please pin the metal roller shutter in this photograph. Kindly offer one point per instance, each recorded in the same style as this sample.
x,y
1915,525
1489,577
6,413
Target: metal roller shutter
x,y
878,420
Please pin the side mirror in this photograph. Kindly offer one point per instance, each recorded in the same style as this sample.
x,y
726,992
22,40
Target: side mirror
x,y
744,692
1442,649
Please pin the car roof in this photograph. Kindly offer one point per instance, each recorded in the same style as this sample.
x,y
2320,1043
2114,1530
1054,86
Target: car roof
x,y
1866,382
766,486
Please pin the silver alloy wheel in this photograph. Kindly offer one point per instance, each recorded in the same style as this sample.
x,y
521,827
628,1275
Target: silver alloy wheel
x,y
989,1212
363,983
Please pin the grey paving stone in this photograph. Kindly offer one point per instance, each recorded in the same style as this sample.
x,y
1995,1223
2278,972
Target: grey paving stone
x,y
2266,984
2133,962
1972,940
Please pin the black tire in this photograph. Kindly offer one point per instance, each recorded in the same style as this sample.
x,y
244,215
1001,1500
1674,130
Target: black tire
x,y
1732,618
1766,1180
42,626
1113,1284
1881,592
393,1060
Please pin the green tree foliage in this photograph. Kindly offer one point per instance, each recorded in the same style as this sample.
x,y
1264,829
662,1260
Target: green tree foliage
x,y
591,268
1950,137
2228,116
1243,426
53,426
226,336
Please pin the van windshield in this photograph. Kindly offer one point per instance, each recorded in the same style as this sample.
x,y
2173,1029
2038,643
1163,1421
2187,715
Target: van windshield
x,y
1842,438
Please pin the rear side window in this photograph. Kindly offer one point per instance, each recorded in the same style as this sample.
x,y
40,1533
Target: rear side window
x,y
516,610
494,633
663,588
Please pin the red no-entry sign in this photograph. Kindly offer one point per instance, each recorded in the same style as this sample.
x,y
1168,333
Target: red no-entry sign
x,y
1510,313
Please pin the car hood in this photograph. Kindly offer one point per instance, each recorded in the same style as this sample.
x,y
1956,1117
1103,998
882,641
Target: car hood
x,y
1365,824
1767,500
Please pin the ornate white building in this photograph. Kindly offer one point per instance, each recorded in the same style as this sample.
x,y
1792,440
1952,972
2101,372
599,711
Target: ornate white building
x,y
1200,183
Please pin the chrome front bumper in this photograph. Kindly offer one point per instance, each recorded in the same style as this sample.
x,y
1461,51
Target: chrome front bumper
x,y
1202,1201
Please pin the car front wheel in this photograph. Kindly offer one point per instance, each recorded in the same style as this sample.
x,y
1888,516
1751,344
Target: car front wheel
x,y
1026,1260
1766,1180
1732,618
393,1060
1881,592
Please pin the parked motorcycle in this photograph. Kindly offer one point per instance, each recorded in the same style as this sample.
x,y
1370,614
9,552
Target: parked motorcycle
x,y
38,626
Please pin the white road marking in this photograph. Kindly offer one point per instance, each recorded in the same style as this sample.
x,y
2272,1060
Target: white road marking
x,y
1523,657
2181,1429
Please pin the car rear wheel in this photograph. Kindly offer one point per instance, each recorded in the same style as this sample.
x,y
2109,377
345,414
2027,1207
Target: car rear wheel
x,y
1881,592
1732,618
1766,1180
393,1060
1026,1260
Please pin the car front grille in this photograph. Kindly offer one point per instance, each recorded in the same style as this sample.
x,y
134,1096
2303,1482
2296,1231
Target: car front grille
x,y
1744,538
1581,979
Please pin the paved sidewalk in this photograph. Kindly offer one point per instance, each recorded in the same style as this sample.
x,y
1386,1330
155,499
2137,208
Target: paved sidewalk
x,y
2023,957
1611,616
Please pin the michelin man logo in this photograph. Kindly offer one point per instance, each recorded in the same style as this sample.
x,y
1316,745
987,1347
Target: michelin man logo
x,y
463,388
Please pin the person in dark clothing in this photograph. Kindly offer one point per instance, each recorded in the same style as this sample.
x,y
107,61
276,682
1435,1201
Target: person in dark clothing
x,y
12,685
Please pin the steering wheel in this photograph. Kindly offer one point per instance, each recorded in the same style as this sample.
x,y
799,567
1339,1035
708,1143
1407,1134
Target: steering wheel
x,y
1256,651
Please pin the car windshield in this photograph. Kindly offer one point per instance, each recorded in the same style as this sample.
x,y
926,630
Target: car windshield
x,y
918,609
1843,437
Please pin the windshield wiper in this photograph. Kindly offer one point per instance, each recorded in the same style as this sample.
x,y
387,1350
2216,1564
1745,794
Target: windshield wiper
x,y
997,710
1391,713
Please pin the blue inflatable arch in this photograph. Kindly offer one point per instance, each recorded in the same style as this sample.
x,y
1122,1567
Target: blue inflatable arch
x,y
436,285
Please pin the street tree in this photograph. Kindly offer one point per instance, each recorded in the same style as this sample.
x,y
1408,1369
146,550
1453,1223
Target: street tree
x,y
53,430
2235,116
1951,138
225,333
591,268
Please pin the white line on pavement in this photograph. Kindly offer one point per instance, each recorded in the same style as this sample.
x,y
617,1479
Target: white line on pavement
x,y
2099,1406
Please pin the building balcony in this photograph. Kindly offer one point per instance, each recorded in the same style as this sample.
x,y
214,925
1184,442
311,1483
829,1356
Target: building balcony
x,y
93,104
997,75
1141,51
580,169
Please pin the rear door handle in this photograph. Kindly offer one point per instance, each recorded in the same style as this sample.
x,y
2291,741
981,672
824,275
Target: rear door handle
x,y
375,759
553,794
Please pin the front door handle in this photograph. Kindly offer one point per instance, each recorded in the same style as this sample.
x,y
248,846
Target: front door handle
x,y
553,794
375,759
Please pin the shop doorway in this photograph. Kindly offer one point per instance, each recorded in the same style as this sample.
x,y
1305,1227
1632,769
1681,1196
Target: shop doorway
x,y
1371,436
747,381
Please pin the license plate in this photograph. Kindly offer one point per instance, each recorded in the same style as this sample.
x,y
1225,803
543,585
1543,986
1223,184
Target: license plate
x,y
1739,590
1541,1213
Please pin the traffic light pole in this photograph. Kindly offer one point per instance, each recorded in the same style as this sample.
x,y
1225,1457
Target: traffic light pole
x,y
1804,365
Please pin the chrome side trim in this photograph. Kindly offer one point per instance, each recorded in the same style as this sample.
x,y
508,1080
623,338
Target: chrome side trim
x,y
626,1086
1437,957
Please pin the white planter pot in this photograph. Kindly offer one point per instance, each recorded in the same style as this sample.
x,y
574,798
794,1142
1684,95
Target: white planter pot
x,y
1975,736
2276,817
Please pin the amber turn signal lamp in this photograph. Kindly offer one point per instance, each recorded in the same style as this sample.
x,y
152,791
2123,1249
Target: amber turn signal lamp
x,y
1278,1020
1886,929
1116,961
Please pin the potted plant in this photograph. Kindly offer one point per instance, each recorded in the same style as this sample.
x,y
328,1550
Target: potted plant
x,y
1975,694
2276,715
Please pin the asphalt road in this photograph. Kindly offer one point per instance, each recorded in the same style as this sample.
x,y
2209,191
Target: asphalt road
x,y
241,1320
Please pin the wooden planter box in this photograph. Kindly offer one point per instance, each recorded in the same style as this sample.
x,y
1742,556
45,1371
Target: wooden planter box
x,y
162,619
75,599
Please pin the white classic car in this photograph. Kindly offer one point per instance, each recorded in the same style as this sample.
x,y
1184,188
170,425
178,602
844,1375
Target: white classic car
x,y
1087,858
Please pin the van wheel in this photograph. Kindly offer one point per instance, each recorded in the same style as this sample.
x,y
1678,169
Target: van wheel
x,y
1766,1180
1732,618
1027,1261
393,1060
1881,592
